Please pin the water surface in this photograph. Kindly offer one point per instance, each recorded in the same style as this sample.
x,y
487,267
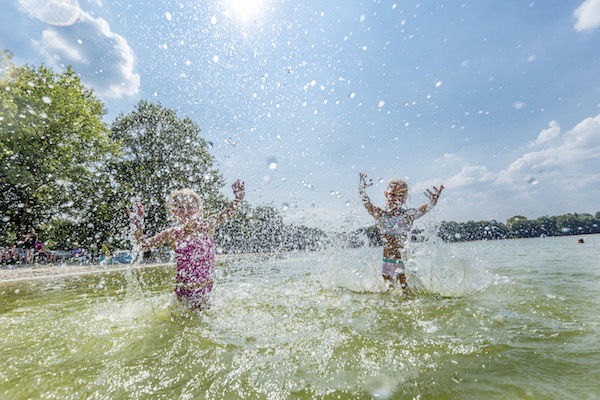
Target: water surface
x,y
499,319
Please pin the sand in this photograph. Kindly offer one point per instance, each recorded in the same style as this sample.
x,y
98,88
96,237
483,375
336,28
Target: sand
x,y
53,271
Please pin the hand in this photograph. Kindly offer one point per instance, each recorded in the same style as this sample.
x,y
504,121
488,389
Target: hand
x,y
136,215
238,189
434,196
364,182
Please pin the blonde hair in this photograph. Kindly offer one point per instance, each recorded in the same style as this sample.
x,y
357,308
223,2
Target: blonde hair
x,y
397,182
185,192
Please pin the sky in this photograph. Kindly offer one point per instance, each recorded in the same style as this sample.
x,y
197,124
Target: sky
x,y
497,100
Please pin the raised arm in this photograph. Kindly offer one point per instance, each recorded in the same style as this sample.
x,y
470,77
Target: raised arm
x,y
136,219
238,192
375,211
433,197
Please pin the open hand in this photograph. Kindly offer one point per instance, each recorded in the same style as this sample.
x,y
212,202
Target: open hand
x,y
136,214
434,195
238,189
364,182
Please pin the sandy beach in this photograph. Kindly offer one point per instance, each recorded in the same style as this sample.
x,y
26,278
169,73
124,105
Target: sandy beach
x,y
22,273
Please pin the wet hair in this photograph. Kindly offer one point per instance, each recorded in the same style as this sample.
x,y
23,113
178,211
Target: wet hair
x,y
186,192
397,182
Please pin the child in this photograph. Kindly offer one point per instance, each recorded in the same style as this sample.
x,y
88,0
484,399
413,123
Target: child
x,y
395,223
193,242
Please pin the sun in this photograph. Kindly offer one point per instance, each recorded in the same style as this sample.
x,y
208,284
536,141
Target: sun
x,y
246,9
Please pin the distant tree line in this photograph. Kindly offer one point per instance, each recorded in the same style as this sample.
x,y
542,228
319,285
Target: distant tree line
x,y
517,226
521,227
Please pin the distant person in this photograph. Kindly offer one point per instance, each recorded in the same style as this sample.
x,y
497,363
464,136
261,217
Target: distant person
x,y
192,240
395,223
98,251
580,240
29,242
42,250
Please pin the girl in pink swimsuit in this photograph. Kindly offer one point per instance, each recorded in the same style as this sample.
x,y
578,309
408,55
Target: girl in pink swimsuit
x,y
395,223
192,241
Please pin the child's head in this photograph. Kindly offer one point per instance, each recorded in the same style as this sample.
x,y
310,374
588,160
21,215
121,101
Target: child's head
x,y
396,192
185,204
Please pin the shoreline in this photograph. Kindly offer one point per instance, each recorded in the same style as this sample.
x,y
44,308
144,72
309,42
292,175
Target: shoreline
x,y
36,272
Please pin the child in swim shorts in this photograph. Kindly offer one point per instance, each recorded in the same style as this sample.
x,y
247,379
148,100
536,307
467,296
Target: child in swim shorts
x,y
395,223
193,242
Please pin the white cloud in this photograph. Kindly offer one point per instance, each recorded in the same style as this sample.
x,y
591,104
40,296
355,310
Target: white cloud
x,y
580,144
104,59
547,135
469,175
52,12
560,175
587,15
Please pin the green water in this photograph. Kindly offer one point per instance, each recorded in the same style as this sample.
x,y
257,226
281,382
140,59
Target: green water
x,y
496,320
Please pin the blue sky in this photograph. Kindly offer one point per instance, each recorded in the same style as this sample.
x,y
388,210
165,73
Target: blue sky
x,y
500,101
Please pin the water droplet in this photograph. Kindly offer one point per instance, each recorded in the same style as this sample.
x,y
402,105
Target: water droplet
x,y
213,20
438,84
313,82
362,18
46,99
352,95
457,235
168,16
285,206
215,58
6,219
20,205
533,181
381,104
266,179
347,203
272,163
380,180
69,203
188,63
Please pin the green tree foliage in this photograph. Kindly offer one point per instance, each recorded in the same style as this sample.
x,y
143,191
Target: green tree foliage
x,y
519,226
161,153
53,144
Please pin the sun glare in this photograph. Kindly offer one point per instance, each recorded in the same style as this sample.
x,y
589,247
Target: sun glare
x,y
246,9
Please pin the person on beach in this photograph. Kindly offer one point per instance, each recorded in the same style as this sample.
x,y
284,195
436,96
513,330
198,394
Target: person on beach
x,y
395,223
29,242
193,242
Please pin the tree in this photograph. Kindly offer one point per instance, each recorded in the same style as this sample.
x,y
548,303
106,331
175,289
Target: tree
x,y
162,153
53,143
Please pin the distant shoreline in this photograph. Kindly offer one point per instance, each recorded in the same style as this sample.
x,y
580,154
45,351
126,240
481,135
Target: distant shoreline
x,y
35,272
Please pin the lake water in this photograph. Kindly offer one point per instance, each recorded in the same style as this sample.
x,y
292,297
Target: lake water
x,y
487,320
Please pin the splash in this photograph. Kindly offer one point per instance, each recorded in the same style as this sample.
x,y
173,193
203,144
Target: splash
x,y
448,270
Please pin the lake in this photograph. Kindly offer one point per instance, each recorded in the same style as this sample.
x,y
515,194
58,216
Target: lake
x,y
495,320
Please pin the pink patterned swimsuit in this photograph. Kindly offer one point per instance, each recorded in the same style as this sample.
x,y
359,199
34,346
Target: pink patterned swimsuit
x,y
195,269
